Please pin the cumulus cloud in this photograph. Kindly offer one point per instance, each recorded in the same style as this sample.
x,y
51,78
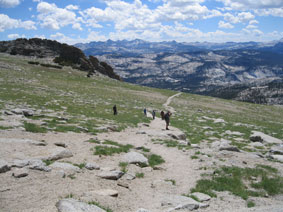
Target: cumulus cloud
x,y
239,18
225,25
272,12
9,23
52,17
13,36
252,4
72,7
253,22
9,3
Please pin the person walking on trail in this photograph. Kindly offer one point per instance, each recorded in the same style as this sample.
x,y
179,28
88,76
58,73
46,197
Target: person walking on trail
x,y
153,114
167,119
162,114
144,111
115,110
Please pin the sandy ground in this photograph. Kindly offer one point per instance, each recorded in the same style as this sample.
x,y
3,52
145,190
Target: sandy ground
x,y
40,191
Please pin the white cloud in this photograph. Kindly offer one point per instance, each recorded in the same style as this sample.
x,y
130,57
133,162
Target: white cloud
x,y
8,23
273,12
138,16
54,18
13,36
77,26
92,36
72,7
253,22
250,26
9,3
225,25
252,4
239,18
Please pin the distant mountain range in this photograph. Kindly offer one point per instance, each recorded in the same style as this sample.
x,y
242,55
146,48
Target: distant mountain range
x,y
248,71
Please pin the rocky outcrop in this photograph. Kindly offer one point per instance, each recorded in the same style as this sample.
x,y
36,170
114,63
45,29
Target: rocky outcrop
x,y
63,54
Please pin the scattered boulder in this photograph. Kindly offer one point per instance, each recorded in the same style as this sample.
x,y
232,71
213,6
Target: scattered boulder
x,y
135,158
20,163
195,146
201,196
261,137
61,144
22,141
17,111
277,150
18,173
130,176
277,157
181,202
72,205
123,184
142,210
111,175
38,164
229,132
92,166
60,153
230,148
65,166
177,135
8,113
4,167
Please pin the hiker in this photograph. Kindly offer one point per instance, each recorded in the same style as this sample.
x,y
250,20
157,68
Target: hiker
x,y
115,110
167,119
162,114
153,114
144,111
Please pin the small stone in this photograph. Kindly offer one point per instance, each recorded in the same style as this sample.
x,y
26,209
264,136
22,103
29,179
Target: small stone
x,y
4,167
135,158
18,173
92,166
230,148
107,192
142,210
130,176
111,175
201,196
124,184
61,144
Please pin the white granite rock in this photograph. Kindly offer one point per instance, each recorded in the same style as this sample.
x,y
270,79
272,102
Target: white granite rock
x,y
72,205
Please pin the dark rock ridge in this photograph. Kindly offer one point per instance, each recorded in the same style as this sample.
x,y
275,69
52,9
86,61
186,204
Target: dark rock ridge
x,y
249,71
63,54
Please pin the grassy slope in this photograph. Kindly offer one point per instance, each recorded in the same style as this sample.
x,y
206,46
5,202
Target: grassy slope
x,y
88,102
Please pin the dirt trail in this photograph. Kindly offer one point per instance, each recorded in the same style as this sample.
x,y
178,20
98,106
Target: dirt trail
x,y
40,191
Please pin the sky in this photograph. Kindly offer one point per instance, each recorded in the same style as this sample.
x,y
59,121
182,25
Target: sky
x,y
83,21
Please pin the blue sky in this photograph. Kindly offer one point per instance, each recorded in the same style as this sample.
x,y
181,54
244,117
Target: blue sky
x,y
83,21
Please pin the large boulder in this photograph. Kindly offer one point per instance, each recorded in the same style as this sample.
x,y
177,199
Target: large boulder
x,y
261,137
135,158
72,205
